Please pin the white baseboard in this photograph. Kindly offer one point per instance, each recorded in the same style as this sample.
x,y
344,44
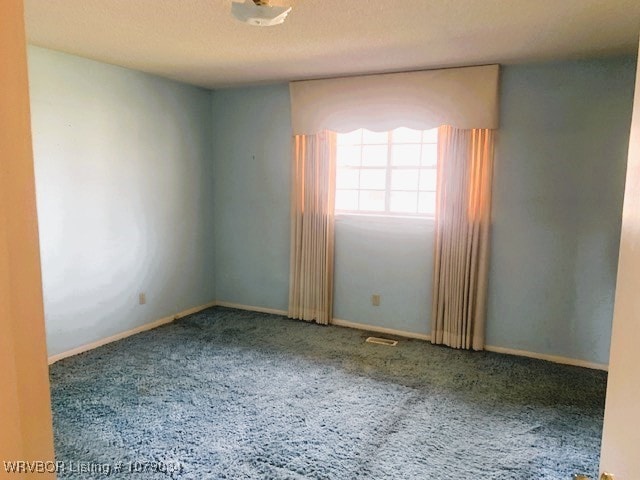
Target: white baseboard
x,y
549,358
128,333
372,328
336,321
193,310
390,331
251,308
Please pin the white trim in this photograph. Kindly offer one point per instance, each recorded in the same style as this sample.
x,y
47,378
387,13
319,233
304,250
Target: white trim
x,y
193,310
372,328
336,321
550,358
420,336
251,308
127,333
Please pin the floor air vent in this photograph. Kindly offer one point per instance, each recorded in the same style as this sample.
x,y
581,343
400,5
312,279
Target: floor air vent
x,y
382,341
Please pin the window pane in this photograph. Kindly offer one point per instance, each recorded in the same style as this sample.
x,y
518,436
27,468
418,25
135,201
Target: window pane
x,y
374,156
404,179
430,136
347,178
404,202
346,199
374,176
429,155
428,178
374,179
348,156
370,137
351,138
372,200
427,203
405,155
406,135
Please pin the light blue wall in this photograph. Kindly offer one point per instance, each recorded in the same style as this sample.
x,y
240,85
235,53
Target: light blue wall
x,y
391,257
558,188
251,151
128,198
127,201
123,178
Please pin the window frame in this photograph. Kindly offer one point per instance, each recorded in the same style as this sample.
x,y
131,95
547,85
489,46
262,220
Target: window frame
x,y
389,168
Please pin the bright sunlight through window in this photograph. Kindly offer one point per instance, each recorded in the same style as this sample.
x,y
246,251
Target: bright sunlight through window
x,y
387,173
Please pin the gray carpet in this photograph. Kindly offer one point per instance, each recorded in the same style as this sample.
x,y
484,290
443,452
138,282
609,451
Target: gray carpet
x,y
228,394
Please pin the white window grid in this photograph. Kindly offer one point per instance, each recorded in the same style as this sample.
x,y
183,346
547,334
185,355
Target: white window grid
x,y
426,139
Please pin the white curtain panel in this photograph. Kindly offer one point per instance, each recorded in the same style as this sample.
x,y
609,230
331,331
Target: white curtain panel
x,y
312,227
461,252
463,97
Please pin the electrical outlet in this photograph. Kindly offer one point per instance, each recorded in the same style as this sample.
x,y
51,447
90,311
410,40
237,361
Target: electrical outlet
x,y
375,300
142,298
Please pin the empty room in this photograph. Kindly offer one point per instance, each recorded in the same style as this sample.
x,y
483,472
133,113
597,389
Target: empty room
x,y
304,239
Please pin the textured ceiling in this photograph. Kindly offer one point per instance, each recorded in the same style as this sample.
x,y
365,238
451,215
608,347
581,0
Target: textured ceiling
x,y
198,42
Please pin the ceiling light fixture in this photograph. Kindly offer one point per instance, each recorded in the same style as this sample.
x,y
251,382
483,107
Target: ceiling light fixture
x,y
259,13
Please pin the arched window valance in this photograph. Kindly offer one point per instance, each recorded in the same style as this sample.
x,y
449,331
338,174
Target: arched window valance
x,y
462,97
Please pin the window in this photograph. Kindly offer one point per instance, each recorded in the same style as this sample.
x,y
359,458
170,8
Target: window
x,y
387,173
